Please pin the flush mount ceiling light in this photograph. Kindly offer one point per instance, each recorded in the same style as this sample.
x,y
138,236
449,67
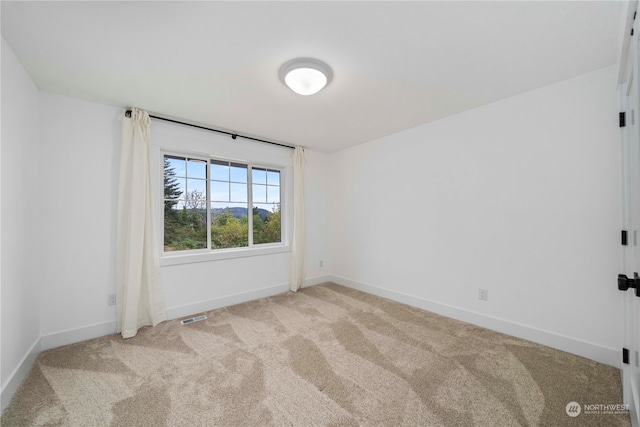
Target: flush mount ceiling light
x,y
305,76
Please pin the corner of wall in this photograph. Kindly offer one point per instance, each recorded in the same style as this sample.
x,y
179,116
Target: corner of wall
x,y
313,281
18,375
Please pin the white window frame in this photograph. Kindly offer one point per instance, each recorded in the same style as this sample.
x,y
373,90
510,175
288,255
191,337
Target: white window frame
x,y
208,254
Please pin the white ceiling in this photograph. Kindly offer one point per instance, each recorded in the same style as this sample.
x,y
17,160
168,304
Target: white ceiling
x,y
396,64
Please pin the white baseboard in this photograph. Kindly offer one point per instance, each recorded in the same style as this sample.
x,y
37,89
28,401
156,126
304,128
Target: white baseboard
x,y
607,356
212,304
312,281
72,336
17,376
226,301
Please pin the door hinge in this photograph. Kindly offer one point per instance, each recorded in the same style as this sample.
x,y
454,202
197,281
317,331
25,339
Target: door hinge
x,y
623,238
622,119
625,283
625,356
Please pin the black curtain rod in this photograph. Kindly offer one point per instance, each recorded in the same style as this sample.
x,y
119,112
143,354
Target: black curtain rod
x,y
233,135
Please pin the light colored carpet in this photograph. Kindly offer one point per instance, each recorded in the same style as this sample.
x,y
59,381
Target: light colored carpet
x,y
325,356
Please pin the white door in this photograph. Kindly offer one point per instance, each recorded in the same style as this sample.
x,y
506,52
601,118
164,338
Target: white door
x,y
631,210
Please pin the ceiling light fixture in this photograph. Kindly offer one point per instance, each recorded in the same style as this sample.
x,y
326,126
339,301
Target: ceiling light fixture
x,y
305,76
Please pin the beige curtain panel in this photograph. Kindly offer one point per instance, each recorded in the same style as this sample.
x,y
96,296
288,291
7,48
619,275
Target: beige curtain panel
x,y
299,245
140,297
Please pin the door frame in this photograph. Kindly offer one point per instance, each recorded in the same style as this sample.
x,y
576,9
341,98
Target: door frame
x,y
629,70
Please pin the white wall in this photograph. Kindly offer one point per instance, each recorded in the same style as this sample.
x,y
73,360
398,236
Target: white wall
x,y
520,197
80,144
80,161
317,169
21,220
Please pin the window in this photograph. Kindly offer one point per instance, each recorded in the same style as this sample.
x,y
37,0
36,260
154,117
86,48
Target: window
x,y
215,204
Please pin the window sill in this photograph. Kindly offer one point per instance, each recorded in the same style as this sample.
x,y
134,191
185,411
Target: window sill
x,y
168,259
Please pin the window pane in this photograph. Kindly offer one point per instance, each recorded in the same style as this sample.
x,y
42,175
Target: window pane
x,y
259,194
266,223
176,164
173,185
174,188
184,228
229,225
258,176
238,172
197,184
179,189
238,192
197,169
219,191
219,170
196,195
273,177
273,194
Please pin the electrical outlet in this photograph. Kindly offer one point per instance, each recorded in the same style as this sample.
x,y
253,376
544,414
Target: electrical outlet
x,y
483,294
321,263
111,299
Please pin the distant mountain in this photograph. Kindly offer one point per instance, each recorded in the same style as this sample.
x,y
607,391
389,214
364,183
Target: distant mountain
x,y
239,212
235,212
